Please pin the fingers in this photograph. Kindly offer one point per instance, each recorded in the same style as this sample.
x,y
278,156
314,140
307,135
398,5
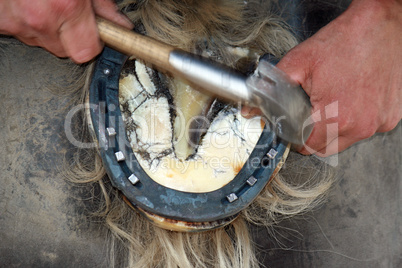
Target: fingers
x,y
331,135
323,141
52,45
333,145
79,35
107,9
249,112
337,145
297,64
333,67
35,24
63,27
393,119
325,129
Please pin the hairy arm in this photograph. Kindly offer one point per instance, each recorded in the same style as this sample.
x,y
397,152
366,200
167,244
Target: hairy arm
x,y
66,28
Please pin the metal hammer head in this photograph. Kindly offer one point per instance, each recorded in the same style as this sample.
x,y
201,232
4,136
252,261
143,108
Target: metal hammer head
x,y
282,101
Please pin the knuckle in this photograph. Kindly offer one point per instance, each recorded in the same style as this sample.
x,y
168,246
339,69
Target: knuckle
x,y
67,8
366,128
15,29
346,123
35,21
85,55
360,128
389,125
367,132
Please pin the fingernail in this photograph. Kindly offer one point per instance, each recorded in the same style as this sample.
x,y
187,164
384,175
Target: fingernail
x,y
245,111
125,20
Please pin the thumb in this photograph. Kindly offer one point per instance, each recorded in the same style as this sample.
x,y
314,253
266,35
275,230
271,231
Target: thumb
x,y
109,10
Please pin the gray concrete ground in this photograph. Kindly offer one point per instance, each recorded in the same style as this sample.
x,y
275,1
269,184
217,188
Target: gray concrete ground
x,y
361,223
45,221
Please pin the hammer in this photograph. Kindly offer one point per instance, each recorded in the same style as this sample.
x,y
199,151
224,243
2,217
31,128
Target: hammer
x,y
282,101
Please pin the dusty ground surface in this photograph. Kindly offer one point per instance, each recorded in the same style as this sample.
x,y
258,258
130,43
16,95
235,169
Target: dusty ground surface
x,y
45,221
361,223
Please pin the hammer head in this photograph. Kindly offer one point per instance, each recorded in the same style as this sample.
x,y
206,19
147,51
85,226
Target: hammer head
x,y
285,104
282,100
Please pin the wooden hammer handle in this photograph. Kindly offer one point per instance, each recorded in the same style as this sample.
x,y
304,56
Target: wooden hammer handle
x,y
134,44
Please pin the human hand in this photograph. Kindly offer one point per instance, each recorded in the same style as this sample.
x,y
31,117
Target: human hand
x,y
66,28
352,71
